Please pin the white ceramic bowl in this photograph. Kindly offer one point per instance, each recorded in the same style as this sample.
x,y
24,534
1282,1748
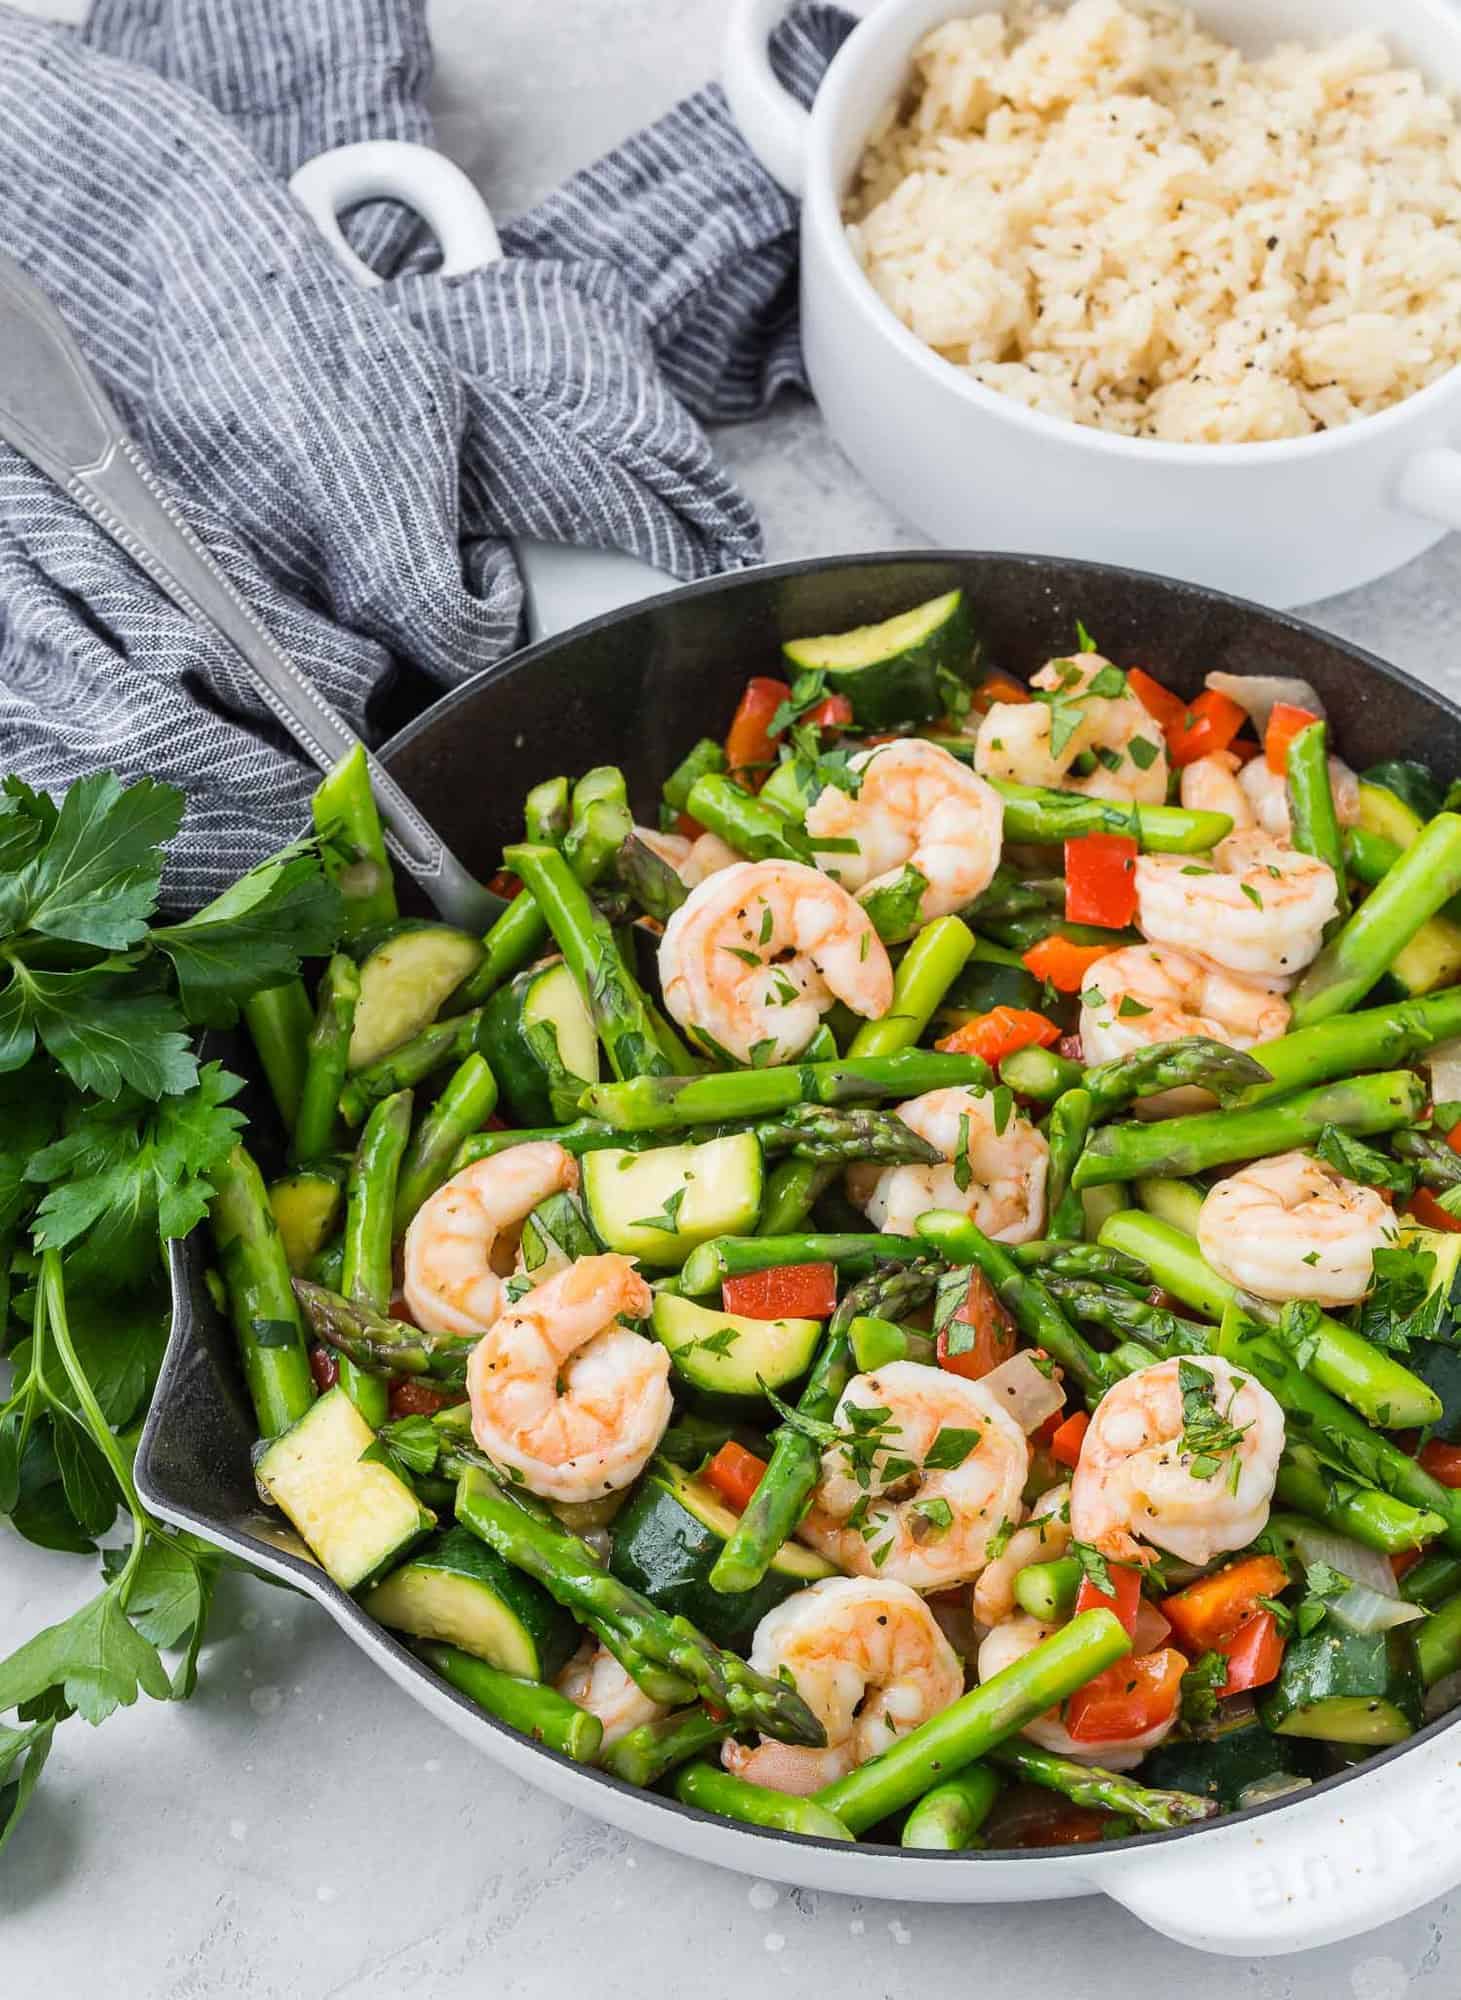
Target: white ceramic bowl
x,y
1285,523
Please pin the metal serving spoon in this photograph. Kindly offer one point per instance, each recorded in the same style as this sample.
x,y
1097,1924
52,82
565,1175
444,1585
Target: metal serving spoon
x,y
56,414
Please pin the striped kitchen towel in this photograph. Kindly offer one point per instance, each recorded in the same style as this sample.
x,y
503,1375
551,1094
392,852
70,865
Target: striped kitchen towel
x,y
356,459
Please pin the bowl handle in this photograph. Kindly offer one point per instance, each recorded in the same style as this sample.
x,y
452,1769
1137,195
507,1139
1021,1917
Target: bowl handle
x,y
1311,1871
1430,484
772,123
564,585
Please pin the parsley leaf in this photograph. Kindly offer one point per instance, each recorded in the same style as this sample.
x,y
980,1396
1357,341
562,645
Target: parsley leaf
x,y
1083,638
104,1029
1207,1432
963,1166
95,879
1403,1304
252,936
950,1448
1365,1164
1094,1567
1202,1683
669,1217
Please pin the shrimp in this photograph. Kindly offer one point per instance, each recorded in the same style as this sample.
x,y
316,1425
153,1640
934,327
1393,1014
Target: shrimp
x,y
917,807
1010,1641
1015,738
755,956
996,1173
869,1660
563,1393
876,1510
1267,795
694,861
461,1243
1257,908
1148,994
1044,1537
1290,1227
1186,1463
594,1680
1213,784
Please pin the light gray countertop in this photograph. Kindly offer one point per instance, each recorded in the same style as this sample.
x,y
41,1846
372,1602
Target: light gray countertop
x,y
299,1828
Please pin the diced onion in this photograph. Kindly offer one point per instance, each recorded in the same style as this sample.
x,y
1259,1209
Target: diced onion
x,y
1444,1064
1264,1790
1028,1394
1443,1697
1351,1559
1363,1610
1152,1629
1260,694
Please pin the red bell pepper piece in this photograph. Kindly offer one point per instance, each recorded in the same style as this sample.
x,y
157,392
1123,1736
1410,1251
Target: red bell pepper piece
x,y
1159,702
1207,1613
324,1365
1100,880
1427,1211
980,1335
1210,725
833,711
1124,1596
750,748
735,1473
997,687
1284,723
1254,1654
1403,1562
418,1399
1065,1446
1129,1698
786,1291
1442,1461
1063,963
999,1033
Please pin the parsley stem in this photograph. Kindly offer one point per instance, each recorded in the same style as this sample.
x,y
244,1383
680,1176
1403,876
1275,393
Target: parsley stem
x,y
52,1312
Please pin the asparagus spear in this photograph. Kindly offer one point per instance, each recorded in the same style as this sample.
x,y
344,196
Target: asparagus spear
x,y
1078,1259
1377,1519
1436,1162
949,1817
1182,1146
584,1135
998,1708
1105,1791
928,968
1434,1578
440,1043
1071,1119
792,1187
715,1791
466,1102
644,1755
1120,1314
1193,1061
527,1706
377,1344
1427,875
703,757
279,1021
571,1572
1342,1361
365,1275
709,1264
1314,821
959,1241
666,1103
875,1342
1045,818
1379,1037
1041,1074
652,883
759,832
327,1060
821,1132
547,814
261,1304
354,846
779,1499
1438,1643
1048,1590
619,1008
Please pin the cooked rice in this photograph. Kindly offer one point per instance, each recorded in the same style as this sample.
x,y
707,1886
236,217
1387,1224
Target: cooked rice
x,y
1114,217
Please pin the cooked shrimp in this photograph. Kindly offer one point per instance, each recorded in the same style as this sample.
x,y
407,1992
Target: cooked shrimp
x,y
694,861
1015,738
918,807
996,1175
461,1245
1292,1228
756,955
879,1511
594,1680
1256,907
1267,795
868,1659
1044,1536
1186,1465
1211,784
1150,993
1021,1634
563,1393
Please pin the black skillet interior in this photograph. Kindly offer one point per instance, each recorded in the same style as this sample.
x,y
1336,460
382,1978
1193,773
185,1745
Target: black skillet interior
x,y
636,689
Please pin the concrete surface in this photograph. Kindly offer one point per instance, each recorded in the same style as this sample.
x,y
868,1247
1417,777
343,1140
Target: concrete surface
x,y
299,1829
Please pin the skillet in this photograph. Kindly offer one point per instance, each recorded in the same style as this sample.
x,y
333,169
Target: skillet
x,y
636,687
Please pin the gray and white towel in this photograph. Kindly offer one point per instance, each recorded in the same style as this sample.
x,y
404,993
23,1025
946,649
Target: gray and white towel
x,y
356,459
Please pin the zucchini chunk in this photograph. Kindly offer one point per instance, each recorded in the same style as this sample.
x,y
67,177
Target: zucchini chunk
x,y
1430,960
406,974
890,672
457,1589
540,1039
659,1204
666,1541
1412,784
1346,1687
1225,1765
554,1236
306,1205
727,1354
356,1516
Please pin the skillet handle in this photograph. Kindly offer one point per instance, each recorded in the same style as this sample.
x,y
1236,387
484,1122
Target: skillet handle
x,y
564,585
1309,1872
1430,484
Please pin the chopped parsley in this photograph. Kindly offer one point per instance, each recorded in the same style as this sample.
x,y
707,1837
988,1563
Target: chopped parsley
x,y
1142,752
720,1342
1130,1009
669,1217
963,1168
1208,1433
1202,1683
950,1448
1252,894
1365,1164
